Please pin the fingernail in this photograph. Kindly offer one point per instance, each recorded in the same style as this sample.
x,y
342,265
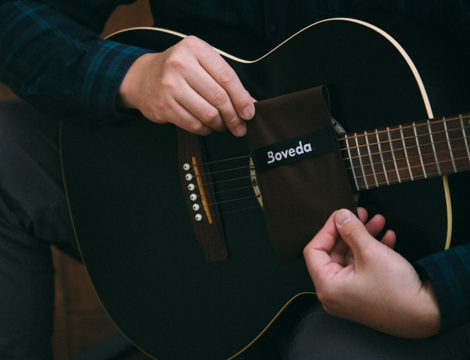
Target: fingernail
x,y
249,112
342,217
240,130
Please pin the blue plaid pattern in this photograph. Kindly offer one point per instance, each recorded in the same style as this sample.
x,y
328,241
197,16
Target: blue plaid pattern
x,y
449,272
56,63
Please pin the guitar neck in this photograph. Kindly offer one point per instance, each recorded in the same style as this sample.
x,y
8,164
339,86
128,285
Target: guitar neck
x,y
407,152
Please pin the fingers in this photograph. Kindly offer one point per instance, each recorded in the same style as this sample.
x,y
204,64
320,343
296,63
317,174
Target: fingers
x,y
182,118
352,230
202,110
317,253
362,213
375,225
189,85
389,239
226,77
221,87
217,98
325,239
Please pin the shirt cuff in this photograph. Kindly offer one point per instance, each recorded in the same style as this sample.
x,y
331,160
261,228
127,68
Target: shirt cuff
x,y
106,69
449,273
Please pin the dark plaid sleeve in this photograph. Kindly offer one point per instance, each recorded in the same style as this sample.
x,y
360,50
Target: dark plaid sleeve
x,y
449,273
51,59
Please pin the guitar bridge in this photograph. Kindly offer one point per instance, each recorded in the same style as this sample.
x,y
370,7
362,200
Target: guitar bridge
x,y
199,198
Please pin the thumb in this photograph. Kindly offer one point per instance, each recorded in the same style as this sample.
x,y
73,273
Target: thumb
x,y
352,230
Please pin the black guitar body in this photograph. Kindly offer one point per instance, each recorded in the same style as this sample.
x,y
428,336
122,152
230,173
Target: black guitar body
x,y
133,226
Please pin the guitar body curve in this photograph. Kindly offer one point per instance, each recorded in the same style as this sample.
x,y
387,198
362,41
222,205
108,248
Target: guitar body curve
x,y
132,225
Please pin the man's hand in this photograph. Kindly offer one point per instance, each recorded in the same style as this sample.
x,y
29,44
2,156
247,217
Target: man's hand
x,y
364,280
189,85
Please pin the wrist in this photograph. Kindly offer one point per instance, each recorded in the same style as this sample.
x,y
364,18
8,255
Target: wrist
x,y
131,83
431,312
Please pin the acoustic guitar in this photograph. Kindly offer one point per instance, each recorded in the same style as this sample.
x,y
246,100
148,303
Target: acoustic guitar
x,y
134,191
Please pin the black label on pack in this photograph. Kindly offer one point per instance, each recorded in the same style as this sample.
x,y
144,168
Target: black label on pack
x,y
295,149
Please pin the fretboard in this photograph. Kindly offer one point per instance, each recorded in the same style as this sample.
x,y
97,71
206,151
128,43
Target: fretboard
x,y
407,152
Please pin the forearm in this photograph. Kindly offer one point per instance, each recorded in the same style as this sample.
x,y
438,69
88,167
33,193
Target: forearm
x,y
49,59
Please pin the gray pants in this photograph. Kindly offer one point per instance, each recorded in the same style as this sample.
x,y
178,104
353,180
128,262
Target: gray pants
x,y
33,216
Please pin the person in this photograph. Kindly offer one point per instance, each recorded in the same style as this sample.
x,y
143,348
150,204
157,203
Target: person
x,y
382,306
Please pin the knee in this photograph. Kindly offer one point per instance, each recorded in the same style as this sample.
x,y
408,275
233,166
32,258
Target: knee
x,y
12,115
18,128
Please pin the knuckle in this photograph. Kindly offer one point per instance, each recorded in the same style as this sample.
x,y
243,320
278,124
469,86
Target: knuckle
x,y
155,116
168,83
177,60
158,119
233,122
160,111
210,115
227,75
198,128
205,131
242,100
219,97
245,99
159,106
191,41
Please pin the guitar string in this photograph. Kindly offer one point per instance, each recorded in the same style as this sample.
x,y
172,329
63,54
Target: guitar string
x,y
232,189
406,179
419,124
226,170
404,149
363,178
226,180
371,133
430,174
413,126
365,156
371,185
238,210
404,169
380,162
233,200
392,171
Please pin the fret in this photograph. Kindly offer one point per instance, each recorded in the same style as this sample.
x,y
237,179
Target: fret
x,y
371,160
393,154
360,161
454,141
408,152
351,161
413,152
434,149
419,150
464,136
405,151
381,156
448,143
426,149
